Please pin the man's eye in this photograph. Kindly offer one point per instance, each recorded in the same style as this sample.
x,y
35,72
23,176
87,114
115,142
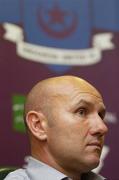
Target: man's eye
x,y
82,111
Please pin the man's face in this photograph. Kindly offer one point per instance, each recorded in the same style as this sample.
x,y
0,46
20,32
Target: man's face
x,y
77,129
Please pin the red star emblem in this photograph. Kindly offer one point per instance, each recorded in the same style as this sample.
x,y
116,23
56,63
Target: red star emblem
x,y
57,15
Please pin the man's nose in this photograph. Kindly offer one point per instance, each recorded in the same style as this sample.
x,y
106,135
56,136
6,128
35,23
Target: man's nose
x,y
98,126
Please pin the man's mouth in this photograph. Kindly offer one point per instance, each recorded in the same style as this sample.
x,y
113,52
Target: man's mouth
x,y
95,144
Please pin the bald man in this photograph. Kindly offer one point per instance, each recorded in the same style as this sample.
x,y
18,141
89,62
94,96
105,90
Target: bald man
x,y
65,122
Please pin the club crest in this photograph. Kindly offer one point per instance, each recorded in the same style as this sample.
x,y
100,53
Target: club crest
x,y
56,32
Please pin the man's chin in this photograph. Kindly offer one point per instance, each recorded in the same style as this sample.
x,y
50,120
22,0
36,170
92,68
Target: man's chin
x,y
92,163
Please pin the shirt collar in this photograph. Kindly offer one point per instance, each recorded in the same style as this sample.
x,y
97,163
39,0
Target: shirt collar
x,y
35,167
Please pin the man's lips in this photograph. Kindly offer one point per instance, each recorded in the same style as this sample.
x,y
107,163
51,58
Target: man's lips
x,y
95,144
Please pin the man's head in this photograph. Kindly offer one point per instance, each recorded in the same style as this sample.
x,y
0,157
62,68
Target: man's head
x,y
65,118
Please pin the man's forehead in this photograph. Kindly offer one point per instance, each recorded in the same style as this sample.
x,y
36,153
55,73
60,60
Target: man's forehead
x,y
74,96
86,99
75,89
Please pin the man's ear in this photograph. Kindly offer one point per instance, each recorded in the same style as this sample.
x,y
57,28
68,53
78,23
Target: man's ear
x,y
37,124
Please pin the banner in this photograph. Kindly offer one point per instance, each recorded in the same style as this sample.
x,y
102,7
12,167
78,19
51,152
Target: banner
x,y
41,39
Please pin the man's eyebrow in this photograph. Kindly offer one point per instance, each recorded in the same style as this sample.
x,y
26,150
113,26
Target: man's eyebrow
x,y
89,103
82,101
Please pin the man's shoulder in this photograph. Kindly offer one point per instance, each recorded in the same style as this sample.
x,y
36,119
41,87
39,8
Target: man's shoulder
x,y
18,174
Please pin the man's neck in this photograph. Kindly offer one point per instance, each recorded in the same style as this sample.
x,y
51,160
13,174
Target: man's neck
x,y
51,162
